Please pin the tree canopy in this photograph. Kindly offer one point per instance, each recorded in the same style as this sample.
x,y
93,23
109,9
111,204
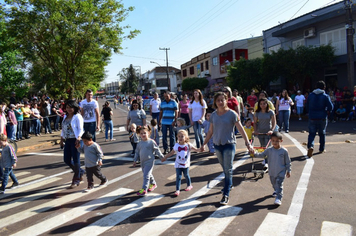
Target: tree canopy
x,y
295,65
189,84
130,79
67,43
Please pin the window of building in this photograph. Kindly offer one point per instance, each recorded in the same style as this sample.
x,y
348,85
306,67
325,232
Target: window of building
x,y
215,61
202,66
297,43
207,65
274,48
191,70
184,72
337,39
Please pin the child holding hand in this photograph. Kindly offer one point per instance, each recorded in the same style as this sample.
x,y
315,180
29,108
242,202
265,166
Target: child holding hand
x,y
182,163
146,151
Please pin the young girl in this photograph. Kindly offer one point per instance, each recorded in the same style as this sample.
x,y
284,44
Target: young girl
x,y
181,125
154,133
133,138
182,162
249,129
146,151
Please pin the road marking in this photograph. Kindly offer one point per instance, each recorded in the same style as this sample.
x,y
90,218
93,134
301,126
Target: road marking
x,y
287,224
332,228
161,223
21,173
119,215
24,180
192,166
43,154
275,224
32,197
67,216
27,188
54,203
217,222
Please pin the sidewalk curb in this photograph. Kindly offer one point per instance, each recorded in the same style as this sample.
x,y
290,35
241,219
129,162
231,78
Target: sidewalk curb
x,y
37,146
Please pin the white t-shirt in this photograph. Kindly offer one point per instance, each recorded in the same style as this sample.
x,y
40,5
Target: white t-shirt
x,y
89,110
299,99
155,103
284,105
183,155
197,110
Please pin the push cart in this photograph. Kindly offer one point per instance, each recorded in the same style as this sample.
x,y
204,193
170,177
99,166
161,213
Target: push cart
x,y
259,173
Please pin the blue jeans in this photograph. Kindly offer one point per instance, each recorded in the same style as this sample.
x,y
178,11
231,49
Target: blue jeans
x,y
72,158
47,125
225,154
198,134
19,129
179,172
5,178
172,138
11,132
320,127
56,122
284,118
91,128
108,125
37,125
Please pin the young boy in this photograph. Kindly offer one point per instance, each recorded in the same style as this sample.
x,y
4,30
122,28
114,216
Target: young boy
x,y
279,165
206,126
93,160
8,162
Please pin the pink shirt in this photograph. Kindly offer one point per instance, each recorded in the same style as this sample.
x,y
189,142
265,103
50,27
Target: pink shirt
x,y
184,107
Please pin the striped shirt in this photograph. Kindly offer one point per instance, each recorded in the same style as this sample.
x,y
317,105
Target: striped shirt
x,y
168,111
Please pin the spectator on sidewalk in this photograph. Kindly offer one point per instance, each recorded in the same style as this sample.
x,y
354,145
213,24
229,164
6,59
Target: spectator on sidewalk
x,y
107,114
318,106
12,125
26,120
90,113
19,118
45,112
36,120
55,115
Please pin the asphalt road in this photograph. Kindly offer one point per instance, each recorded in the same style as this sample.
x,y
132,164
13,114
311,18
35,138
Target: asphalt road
x,y
319,198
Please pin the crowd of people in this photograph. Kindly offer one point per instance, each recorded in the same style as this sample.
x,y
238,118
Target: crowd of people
x,y
220,117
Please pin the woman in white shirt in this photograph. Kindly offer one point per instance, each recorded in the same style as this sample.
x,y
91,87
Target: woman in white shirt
x,y
283,109
197,108
72,131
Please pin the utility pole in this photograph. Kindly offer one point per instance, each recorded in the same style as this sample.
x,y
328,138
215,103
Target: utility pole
x,y
350,31
168,83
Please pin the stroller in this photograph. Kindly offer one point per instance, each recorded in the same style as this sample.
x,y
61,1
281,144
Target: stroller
x,y
259,173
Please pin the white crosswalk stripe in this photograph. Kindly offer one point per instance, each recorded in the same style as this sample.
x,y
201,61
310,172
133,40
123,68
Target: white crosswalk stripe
x,y
118,216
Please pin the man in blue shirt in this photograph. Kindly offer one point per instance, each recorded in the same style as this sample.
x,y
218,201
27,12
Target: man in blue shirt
x,y
318,105
167,118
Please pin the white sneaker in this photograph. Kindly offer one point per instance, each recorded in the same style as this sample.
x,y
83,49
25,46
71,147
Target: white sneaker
x,y
277,202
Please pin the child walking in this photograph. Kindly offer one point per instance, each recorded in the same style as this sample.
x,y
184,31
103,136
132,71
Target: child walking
x,y
279,165
206,126
154,133
146,151
133,138
8,162
182,162
93,160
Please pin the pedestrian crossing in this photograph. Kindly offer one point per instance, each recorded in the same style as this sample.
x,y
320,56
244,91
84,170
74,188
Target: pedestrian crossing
x,y
214,224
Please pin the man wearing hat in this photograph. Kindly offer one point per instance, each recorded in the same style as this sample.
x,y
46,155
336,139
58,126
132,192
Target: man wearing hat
x,y
299,100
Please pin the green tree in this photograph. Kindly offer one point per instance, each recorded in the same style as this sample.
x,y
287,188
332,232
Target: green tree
x,y
130,79
12,77
189,84
247,74
71,40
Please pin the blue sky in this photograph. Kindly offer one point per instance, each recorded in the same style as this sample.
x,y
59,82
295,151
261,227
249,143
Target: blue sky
x,y
192,27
